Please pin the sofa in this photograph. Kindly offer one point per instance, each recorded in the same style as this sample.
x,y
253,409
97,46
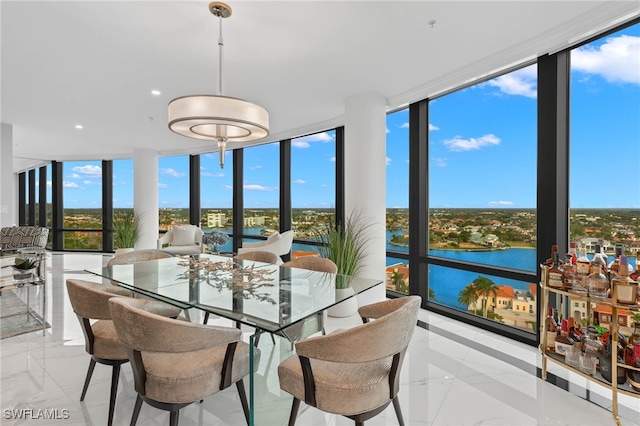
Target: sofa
x,y
14,237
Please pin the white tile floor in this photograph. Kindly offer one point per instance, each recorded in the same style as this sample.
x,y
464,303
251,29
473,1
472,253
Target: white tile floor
x,y
454,374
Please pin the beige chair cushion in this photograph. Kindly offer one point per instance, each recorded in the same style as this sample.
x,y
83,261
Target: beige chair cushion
x,y
106,344
188,376
341,388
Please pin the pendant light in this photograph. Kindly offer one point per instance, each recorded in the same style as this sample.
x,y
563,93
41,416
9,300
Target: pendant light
x,y
217,117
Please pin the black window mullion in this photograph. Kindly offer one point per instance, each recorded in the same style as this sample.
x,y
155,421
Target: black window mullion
x,y
42,196
285,188
238,198
32,197
57,239
22,198
194,190
107,206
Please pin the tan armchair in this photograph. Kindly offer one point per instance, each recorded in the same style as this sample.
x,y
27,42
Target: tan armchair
x,y
258,256
354,373
90,302
176,363
182,239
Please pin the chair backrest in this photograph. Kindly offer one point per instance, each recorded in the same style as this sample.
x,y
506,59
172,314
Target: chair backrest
x,y
314,263
138,256
15,237
258,256
386,336
90,299
145,331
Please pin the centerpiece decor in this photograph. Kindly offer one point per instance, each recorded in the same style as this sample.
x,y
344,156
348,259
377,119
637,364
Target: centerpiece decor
x,y
246,282
126,225
214,240
24,268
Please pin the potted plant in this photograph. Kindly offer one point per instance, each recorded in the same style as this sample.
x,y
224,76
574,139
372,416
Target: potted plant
x,y
126,223
346,247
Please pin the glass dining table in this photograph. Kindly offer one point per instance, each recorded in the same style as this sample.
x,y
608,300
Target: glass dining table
x,y
268,298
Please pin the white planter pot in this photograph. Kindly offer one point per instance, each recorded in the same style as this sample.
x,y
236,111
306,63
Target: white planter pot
x,y
345,308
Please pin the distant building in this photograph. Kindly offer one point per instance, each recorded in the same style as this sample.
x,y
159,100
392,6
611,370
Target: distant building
x,y
216,220
250,222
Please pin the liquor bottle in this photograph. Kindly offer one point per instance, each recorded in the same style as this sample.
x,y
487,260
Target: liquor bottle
x,y
583,268
598,282
614,264
625,289
554,249
605,257
556,273
636,343
635,276
606,367
569,269
573,253
598,255
551,324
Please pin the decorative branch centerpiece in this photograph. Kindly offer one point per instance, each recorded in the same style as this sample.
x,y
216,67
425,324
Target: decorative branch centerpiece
x,y
214,240
229,275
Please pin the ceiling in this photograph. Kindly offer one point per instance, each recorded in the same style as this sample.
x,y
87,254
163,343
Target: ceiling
x,y
95,63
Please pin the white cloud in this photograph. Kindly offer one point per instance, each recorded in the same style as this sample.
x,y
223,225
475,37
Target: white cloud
x,y
323,185
404,125
433,127
304,142
440,162
70,184
255,167
387,129
616,60
87,182
299,181
162,185
500,203
332,159
74,176
49,183
458,144
228,186
387,161
209,174
522,82
255,187
171,172
89,170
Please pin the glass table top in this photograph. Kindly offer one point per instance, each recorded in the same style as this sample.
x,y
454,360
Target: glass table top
x,y
262,295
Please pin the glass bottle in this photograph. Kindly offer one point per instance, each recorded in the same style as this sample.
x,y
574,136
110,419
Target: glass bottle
x,y
606,367
598,282
582,270
636,343
551,324
569,270
554,249
614,264
625,289
556,273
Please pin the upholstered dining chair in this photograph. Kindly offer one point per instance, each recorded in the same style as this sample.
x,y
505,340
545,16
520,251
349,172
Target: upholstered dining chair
x,y
280,244
89,301
313,263
355,372
258,256
176,363
182,239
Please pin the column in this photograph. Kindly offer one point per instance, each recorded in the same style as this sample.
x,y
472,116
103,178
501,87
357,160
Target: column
x,y
8,179
145,196
365,179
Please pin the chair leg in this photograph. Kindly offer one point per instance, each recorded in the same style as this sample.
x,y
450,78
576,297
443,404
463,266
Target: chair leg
x,y
115,375
136,411
243,399
173,418
294,411
92,365
206,318
396,406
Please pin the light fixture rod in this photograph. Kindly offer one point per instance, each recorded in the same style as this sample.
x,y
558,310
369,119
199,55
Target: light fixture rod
x,y
220,55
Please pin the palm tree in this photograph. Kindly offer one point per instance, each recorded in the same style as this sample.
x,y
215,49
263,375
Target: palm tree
x,y
398,281
468,296
485,287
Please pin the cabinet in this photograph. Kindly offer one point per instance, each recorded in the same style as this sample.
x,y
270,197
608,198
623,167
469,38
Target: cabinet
x,y
565,300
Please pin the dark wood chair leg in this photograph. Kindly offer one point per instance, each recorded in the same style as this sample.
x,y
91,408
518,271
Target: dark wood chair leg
x,y
92,365
115,375
243,399
294,411
206,317
359,423
136,411
173,418
396,406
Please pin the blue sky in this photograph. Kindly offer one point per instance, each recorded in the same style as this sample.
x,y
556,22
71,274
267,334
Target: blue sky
x,y
482,148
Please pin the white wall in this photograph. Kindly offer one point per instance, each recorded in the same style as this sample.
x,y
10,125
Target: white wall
x,y
8,179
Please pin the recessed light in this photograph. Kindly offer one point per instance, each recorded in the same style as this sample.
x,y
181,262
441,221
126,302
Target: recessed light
x,y
79,126
155,92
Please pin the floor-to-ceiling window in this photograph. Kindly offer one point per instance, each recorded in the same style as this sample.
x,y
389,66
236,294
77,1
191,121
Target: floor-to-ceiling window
x,y
216,196
313,187
605,146
173,191
82,205
482,197
261,189
397,223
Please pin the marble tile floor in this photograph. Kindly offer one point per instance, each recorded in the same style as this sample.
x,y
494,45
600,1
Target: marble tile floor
x,y
454,374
